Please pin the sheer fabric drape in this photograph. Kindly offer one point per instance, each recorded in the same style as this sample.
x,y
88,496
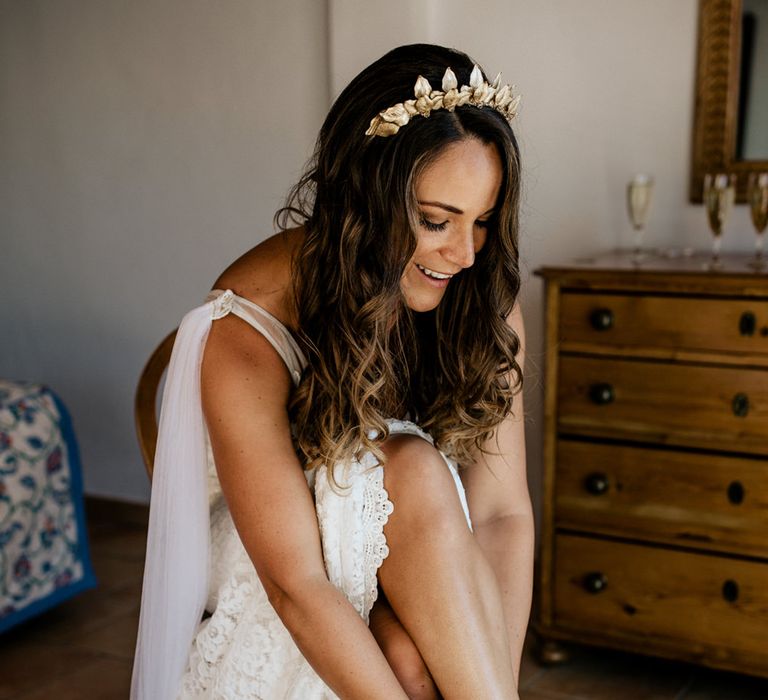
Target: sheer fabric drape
x,y
177,560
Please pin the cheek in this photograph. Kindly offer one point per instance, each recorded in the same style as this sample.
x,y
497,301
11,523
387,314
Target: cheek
x,y
407,278
422,250
422,245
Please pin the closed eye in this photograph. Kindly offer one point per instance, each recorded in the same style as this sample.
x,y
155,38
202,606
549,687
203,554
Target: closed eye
x,y
432,225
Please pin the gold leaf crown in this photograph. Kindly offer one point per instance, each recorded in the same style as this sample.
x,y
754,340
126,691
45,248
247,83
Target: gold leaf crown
x,y
478,93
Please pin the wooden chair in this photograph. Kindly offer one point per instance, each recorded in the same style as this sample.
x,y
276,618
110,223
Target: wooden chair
x,y
145,403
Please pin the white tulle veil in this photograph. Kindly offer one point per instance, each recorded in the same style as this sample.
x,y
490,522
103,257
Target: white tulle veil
x,y
177,561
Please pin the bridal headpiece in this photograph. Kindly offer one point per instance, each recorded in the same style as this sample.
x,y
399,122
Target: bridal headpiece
x,y
478,93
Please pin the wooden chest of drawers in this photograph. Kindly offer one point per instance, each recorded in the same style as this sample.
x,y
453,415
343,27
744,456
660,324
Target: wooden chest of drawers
x,y
654,530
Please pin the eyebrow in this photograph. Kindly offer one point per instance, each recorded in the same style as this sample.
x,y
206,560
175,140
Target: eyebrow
x,y
452,209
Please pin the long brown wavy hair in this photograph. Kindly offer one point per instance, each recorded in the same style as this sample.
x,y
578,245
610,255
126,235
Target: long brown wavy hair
x,y
370,357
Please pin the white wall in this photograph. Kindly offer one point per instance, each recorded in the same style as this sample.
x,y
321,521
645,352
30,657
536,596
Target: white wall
x,y
139,155
143,146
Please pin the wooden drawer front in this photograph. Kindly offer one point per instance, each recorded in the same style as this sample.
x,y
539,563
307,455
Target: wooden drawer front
x,y
695,598
674,323
669,496
694,405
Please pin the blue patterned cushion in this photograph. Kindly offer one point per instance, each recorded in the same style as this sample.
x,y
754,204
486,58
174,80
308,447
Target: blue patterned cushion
x,y
44,555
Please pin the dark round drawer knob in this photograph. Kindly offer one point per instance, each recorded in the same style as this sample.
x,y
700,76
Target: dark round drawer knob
x,y
596,483
740,405
730,590
601,394
601,319
595,582
735,492
747,323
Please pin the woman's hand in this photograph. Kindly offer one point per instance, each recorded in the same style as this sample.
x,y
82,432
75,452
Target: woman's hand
x,y
401,652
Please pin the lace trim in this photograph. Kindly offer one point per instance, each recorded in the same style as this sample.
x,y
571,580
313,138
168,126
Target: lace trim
x,y
376,511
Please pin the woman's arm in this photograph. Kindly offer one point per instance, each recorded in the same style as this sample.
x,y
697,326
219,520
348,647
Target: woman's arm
x,y
502,517
245,388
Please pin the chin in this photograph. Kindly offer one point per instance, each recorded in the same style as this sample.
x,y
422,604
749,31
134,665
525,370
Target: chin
x,y
420,297
421,304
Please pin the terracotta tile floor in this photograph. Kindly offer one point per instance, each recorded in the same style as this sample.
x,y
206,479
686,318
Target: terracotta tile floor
x,y
83,649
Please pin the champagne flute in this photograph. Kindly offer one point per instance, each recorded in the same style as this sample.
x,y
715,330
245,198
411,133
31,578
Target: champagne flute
x,y
639,190
719,194
757,197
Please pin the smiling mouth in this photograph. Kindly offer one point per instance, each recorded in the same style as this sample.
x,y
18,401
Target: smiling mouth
x,y
433,274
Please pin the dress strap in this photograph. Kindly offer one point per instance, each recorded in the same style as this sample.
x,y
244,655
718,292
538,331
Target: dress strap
x,y
225,301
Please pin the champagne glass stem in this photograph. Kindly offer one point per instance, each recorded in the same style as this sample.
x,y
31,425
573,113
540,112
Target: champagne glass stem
x,y
759,246
638,240
716,251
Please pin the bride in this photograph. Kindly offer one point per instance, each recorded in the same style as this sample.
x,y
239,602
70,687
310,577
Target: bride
x,y
339,501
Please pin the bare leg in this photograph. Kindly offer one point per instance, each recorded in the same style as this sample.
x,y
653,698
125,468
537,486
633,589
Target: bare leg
x,y
401,652
438,581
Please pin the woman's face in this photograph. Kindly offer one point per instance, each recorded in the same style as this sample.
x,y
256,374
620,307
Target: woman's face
x,y
457,195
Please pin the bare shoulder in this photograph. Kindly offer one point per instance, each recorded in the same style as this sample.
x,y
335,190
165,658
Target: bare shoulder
x,y
263,275
240,366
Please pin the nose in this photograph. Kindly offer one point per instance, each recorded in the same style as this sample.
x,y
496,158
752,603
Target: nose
x,y
461,248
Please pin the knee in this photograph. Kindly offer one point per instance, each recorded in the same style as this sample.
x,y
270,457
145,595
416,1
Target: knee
x,y
412,464
421,486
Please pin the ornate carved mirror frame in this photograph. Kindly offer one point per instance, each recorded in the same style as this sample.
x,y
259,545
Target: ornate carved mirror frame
x,y
717,98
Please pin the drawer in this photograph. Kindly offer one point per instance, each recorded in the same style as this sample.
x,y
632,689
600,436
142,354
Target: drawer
x,y
658,402
676,324
671,496
666,594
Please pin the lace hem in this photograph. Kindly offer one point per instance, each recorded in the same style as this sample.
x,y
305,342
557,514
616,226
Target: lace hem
x,y
376,511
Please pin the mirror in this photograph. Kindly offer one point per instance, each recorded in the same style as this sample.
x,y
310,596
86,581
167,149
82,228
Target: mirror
x,y
752,121
731,114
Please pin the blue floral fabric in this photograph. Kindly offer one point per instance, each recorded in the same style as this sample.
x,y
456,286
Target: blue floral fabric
x,y
44,556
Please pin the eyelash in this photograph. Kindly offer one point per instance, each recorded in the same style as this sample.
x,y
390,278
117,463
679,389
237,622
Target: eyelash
x,y
432,226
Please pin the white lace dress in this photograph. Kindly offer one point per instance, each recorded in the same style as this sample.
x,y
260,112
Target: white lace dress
x,y
243,650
